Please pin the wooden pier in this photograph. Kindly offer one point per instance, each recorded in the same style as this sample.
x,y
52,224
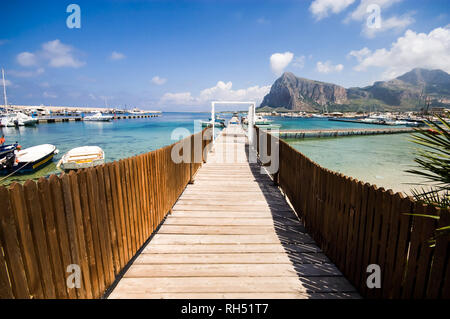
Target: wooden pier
x,y
216,226
59,119
232,234
319,133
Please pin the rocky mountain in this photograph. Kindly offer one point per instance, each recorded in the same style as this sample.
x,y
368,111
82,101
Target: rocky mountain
x,y
406,92
300,94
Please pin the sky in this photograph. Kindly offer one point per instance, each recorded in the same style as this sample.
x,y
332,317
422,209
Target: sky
x,y
180,55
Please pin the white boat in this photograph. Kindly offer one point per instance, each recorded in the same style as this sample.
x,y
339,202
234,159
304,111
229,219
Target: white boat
x,y
27,160
17,119
98,117
259,120
210,123
82,157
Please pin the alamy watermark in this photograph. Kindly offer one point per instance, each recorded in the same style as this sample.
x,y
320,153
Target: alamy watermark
x,y
374,19
374,279
73,21
74,278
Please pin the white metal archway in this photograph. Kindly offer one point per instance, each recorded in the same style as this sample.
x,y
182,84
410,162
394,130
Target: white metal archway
x,y
251,116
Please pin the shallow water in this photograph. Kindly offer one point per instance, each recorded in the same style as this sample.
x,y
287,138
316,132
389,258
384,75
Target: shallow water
x,y
377,159
119,138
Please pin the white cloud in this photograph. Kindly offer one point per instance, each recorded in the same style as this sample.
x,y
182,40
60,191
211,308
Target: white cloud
x,y
328,67
26,74
26,59
45,84
117,56
221,91
279,61
394,23
359,55
299,62
410,51
183,98
60,55
158,80
49,95
321,8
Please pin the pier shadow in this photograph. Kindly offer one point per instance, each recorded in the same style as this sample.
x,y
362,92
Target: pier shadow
x,y
316,273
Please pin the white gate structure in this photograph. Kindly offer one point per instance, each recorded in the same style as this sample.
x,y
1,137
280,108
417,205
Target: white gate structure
x,y
251,117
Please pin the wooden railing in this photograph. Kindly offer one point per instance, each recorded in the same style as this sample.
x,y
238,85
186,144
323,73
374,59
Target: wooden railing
x,y
357,224
96,219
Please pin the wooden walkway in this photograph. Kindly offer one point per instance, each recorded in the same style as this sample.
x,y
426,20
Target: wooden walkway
x,y
232,235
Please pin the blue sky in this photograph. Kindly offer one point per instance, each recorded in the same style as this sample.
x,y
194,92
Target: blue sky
x,y
178,55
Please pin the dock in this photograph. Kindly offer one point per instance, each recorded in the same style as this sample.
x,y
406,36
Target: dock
x,y
232,234
59,119
318,133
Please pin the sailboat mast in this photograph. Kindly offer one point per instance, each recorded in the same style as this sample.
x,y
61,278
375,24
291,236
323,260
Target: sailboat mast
x,y
4,89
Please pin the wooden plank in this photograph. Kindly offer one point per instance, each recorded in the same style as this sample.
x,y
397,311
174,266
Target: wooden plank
x,y
93,199
118,212
403,242
39,238
224,239
59,273
131,207
116,216
235,269
6,291
230,248
126,209
437,273
61,229
26,241
103,228
71,227
11,249
80,234
241,295
110,219
86,223
232,258
234,284
424,262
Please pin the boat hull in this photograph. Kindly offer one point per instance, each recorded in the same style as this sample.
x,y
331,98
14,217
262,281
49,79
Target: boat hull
x,y
31,166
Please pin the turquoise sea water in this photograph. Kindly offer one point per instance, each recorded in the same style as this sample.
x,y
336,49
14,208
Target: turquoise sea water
x,y
375,159
119,138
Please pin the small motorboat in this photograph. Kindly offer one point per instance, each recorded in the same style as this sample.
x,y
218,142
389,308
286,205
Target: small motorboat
x,y
259,120
27,160
210,123
9,148
98,117
82,157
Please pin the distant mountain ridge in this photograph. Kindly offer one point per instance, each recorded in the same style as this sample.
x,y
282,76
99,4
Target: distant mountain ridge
x,y
406,92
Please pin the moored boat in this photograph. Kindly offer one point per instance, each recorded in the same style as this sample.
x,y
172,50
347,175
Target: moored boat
x,y
6,149
82,157
98,117
210,123
27,160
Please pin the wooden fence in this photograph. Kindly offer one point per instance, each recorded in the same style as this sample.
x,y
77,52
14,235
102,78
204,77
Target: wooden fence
x,y
96,218
358,224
